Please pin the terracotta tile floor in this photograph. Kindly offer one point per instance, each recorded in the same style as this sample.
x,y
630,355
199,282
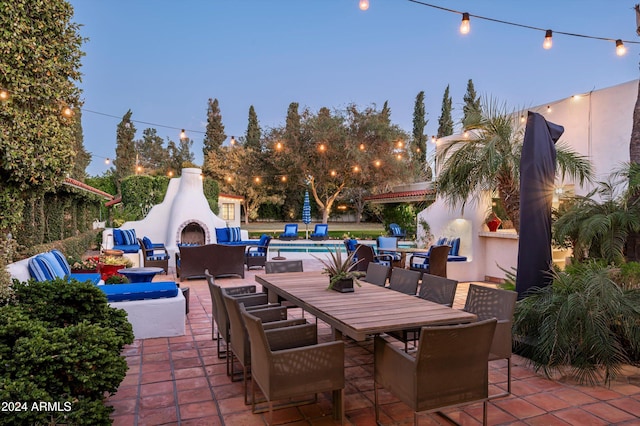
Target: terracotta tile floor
x,y
181,381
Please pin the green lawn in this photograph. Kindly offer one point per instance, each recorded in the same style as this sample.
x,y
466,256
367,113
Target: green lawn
x,y
337,230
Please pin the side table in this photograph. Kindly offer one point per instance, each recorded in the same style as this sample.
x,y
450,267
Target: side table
x,y
140,275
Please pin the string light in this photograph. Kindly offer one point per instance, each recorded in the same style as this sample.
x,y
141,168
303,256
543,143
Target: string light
x,y
67,112
322,147
279,146
333,173
377,163
620,49
107,161
548,40
4,95
433,139
361,147
170,173
548,109
363,4
233,140
465,27
183,135
283,179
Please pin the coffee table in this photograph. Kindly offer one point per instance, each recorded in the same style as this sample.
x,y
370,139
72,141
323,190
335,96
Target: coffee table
x,y
140,275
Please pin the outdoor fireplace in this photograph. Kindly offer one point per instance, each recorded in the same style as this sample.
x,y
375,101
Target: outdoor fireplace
x,y
183,217
192,234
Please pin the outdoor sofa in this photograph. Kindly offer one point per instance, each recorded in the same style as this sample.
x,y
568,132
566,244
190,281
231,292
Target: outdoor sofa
x,y
219,259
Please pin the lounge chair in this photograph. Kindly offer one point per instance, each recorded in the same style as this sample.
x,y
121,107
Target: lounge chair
x,y
320,232
396,231
290,232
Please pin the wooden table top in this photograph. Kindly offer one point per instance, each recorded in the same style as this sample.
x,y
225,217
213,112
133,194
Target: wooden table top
x,y
369,310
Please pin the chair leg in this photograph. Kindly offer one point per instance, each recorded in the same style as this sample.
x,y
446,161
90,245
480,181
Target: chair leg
x,y
375,402
484,413
509,375
244,383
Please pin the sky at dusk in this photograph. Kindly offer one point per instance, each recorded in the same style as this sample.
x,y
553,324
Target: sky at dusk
x,y
165,59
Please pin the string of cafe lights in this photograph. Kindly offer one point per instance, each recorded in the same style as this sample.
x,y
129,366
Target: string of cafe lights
x,y
465,27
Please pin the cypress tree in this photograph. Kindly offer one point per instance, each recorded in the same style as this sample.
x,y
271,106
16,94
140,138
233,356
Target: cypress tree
x,y
252,138
214,136
445,122
125,161
419,123
471,108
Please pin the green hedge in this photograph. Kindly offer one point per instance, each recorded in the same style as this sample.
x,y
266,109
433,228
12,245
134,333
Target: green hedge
x,y
60,343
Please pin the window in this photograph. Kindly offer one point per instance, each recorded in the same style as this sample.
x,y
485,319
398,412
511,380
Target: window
x,y
228,211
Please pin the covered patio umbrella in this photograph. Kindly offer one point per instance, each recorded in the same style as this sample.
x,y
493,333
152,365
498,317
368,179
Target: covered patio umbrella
x,y
306,213
537,176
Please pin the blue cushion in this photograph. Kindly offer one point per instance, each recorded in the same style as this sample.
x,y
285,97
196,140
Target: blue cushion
x,y
139,291
264,241
51,259
158,257
85,276
456,258
222,235
147,242
351,244
234,234
129,237
62,261
455,246
128,248
256,254
420,265
40,269
290,230
118,239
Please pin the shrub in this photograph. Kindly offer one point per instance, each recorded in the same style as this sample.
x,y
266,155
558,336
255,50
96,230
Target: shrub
x,y
584,322
60,343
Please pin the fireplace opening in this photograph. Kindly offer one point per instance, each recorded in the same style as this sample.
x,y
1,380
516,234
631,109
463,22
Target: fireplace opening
x,y
192,234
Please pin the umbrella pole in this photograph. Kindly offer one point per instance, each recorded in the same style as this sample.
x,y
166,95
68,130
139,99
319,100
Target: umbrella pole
x,y
306,230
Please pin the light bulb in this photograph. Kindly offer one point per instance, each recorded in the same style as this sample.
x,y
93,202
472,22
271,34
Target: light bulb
x,y
363,4
107,161
361,147
4,95
279,146
322,147
548,40
333,173
378,163
67,112
183,134
283,178
433,140
464,25
548,109
233,140
620,49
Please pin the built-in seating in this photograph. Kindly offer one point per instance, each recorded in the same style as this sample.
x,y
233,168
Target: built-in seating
x,y
139,291
125,240
51,265
233,236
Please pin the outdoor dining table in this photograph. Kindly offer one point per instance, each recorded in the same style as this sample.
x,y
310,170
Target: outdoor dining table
x,y
369,310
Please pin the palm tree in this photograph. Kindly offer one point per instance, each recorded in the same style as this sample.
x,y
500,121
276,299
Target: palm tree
x,y
600,229
489,160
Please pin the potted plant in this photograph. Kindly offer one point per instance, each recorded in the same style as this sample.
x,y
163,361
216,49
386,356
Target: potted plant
x,y
109,265
340,271
117,279
79,266
493,222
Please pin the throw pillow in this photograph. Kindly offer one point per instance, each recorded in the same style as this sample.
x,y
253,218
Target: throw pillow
x,y
129,237
222,235
234,234
147,243
118,239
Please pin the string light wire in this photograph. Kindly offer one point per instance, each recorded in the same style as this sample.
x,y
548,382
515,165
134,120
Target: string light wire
x,y
515,24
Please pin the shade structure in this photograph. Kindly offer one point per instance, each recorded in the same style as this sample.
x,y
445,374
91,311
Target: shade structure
x,y
537,176
306,213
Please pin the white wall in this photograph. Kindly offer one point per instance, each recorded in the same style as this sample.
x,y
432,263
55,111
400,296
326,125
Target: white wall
x,y
597,125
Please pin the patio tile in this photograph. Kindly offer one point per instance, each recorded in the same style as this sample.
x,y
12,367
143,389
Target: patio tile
x,y
577,416
180,380
197,410
608,412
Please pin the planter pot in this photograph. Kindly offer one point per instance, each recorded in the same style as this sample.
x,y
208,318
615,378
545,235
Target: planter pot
x,y
494,224
344,286
84,271
107,270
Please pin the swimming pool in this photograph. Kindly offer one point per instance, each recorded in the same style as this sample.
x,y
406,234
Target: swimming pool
x,y
308,246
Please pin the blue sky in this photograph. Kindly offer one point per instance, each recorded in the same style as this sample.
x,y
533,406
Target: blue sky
x,y
165,59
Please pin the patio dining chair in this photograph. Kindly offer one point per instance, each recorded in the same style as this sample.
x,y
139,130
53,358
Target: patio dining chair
x,y
377,274
404,280
296,372
434,289
290,232
284,266
450,368
220,317
365,255
272,317
488,302
256,255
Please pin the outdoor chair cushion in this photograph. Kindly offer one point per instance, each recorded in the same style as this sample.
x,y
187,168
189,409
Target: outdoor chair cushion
x,y
140,291
231,237
128,248
46,267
